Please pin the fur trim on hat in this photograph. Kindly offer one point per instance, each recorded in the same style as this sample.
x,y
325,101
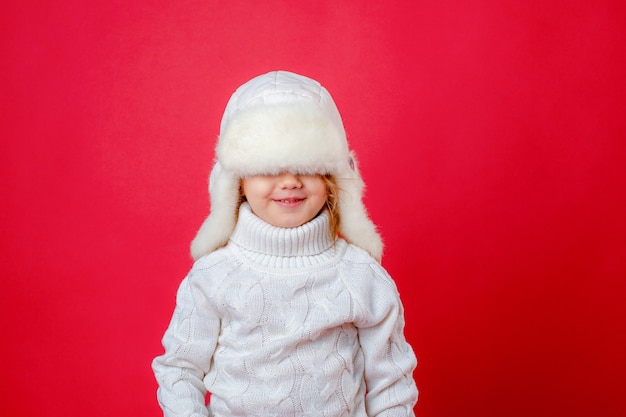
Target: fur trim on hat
x,y
283,122
356,226
275,138
219,225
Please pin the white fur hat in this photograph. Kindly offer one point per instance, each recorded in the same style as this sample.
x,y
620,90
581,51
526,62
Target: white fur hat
x,y
283,122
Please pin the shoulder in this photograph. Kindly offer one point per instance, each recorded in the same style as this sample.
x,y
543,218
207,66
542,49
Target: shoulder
x,y
374,291
355,254
213,268
362,270
211,260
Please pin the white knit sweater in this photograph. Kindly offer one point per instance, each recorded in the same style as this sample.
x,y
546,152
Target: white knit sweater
x,y
286,322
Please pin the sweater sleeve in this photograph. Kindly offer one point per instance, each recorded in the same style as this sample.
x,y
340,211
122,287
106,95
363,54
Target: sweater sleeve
x,y
189,343
389,359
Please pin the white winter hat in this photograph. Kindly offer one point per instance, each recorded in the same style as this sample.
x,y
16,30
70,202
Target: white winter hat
x,y
283,122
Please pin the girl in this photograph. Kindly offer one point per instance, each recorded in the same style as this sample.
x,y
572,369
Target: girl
x,y
287,310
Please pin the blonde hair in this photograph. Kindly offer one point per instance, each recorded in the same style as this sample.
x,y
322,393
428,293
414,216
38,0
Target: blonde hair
x,y
332,205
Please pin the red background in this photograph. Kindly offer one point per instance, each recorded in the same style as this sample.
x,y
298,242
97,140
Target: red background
x,y
491,135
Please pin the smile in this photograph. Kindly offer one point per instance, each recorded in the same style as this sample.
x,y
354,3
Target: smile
x,y
289,202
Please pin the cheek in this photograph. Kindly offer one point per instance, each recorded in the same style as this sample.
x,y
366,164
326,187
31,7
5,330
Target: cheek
x,y
316,185
253,188
321,195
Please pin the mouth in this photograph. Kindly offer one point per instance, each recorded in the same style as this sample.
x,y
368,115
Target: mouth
x,y
289,202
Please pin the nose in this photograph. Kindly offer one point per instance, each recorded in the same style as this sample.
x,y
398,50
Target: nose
x,y
289,181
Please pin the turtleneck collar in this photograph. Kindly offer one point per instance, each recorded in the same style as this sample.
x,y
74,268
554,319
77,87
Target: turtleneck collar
x,y
276,247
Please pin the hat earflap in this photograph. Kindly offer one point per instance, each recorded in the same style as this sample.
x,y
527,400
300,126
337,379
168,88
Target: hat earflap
x,y
356,226
219,225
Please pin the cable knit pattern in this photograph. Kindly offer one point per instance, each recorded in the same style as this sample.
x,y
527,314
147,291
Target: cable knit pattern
x,y
286,322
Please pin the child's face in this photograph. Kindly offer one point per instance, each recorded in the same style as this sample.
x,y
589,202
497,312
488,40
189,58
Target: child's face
x,y
285,200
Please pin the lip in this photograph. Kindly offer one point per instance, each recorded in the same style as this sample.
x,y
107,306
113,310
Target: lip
x,y
288,202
